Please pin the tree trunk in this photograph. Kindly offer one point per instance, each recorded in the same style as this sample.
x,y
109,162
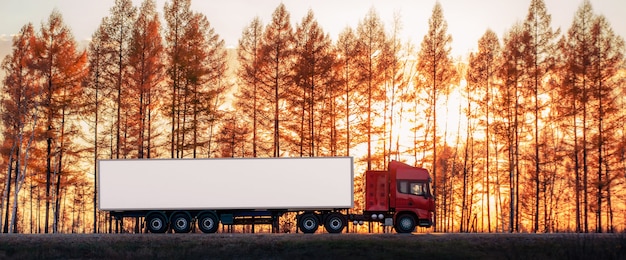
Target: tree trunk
x,y
7,191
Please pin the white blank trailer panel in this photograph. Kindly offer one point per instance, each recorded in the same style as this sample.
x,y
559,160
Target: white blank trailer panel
x,y
197,184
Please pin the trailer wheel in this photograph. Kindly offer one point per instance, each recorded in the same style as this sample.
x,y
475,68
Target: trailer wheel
x,y
181,223
335,222
405,223
157,222
308,223
208,222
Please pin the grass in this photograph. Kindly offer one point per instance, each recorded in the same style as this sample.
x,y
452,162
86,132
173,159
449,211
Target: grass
x,y
301,246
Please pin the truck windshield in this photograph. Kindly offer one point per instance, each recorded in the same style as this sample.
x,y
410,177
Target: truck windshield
x,y
414,188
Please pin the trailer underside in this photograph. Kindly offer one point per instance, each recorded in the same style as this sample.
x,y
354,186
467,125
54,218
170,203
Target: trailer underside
x,y
307,221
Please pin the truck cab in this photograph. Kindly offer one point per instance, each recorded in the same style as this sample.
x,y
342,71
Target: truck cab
x,y
400,196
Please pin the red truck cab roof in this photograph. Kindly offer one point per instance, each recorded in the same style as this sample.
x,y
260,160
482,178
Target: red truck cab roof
x,y
404,171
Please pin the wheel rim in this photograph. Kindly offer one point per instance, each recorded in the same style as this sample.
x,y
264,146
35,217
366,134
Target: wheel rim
x,y
406,223
156,224
181,223
207,223
309,223
335,223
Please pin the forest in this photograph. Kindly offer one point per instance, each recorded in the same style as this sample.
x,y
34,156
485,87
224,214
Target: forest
x,y
526,134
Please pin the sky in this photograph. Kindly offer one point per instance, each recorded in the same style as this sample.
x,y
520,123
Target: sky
x,y
467,19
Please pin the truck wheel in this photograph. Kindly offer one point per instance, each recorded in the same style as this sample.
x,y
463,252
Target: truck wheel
x,y
157,223
308,223
208,222
181,223
335,222
405,224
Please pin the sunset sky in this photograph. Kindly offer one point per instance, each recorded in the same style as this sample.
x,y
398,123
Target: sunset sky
x,y
467,20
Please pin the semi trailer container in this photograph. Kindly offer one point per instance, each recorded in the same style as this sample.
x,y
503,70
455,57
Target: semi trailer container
x,y
179,194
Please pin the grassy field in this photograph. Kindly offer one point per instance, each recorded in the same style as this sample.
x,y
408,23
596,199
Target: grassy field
x,y
316,246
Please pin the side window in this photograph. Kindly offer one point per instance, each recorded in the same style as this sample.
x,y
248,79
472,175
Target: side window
x,y
403,187
413,188
417,188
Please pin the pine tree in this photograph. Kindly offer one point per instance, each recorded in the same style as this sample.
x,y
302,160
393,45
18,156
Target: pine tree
x,y
481,74
540,49
435,66
197,71
92,107
608,59
145,77
348,49
592,55
312,71
248,99
372,39
218,83
19,108
396,81
575,48
62,68
276,69
507,104
119,32
194,96
177,15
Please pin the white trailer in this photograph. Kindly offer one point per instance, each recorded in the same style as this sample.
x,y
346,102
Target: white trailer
x,y
176,192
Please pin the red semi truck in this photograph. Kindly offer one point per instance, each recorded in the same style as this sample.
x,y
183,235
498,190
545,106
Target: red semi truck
x,y
400,197
178,194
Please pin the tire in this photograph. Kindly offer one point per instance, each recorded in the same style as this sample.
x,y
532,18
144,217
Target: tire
x,y
208,222
157,222
405,224
308,223
335,222
181,223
